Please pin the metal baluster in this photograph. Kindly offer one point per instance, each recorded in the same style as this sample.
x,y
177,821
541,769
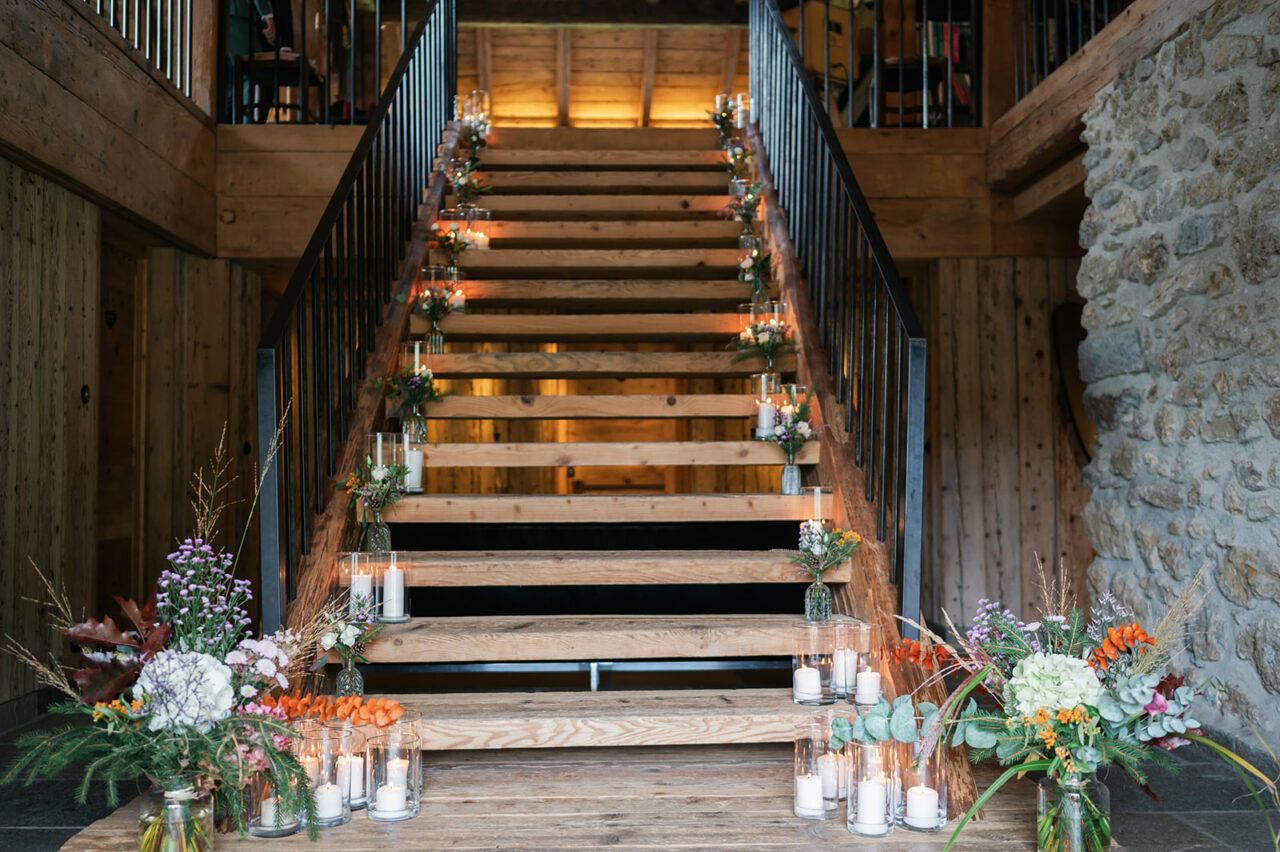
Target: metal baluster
x,y
883,405
826,53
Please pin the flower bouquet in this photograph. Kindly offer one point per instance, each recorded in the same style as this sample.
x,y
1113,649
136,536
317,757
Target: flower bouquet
x,y
475,136
374,489
462,176
737,157
743,208
450,239
174,692
347,631
821,549
753,270
1070,694
414,388
722,118
766,339
434,304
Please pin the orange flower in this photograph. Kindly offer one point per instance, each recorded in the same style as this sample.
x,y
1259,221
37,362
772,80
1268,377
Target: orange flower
x,y
1049,737
1127,637
1041,717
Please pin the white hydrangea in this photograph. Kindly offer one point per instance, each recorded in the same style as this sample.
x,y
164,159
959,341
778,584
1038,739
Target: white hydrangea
x,y
192,690
1050,682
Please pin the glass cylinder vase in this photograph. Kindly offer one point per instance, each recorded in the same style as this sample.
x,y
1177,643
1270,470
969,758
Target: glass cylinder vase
x,y
764,385
869,807
748,241
353,768
922,784
270,815
393,777
176,813
355,571
868,676
414,436
325,753
392,597
817,772
385,451
1073,814
812,650
844,665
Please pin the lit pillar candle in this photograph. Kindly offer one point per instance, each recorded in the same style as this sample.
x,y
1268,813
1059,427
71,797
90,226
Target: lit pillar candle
x,y
361,591
391,799
839,671
312,767
829,770
457,300
269,810
867,687
393,592
817,503
413,464
872,801
378,451
328,801
417,356
398,771
765,416
806,684
741,116
922,807
809,794
355,777
721,101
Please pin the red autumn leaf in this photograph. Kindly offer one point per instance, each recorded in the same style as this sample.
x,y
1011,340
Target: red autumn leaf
x,y
103,681
155,642
105,632
143,618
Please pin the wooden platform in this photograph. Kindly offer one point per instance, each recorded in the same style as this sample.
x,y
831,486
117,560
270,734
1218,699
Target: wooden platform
x,y
683,797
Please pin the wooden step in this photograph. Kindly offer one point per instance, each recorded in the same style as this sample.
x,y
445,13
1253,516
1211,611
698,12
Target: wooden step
x,y
622,718
620,230
586,327
630,182
609,261
585,365
498,638
532,158
589,294
595,407
603,509
577,207
462,568
603,139
612,454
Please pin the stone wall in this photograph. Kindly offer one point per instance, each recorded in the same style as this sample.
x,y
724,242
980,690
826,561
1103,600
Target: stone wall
x,y
1182,360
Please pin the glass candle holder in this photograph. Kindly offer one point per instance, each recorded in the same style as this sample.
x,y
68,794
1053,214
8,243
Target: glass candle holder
x,y
393,605
812,653
355,571
385,450
441,277
869,805
406,725
325,753
268,814
481,103
742,111
393,777
738,187
722,100
478,220
922,781
352,768
414,457
416,356
868,679
764,386
844,665
748,243
817,772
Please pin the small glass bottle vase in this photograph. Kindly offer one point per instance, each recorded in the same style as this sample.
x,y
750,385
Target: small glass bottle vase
x,y
377,535
817,601
791,476
1073,814
818,771
175,814
349,681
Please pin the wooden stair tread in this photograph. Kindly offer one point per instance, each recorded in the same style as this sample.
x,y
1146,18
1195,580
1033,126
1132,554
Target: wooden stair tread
x,y
672,206
599,138
601,258
575,181
587,327
592,407
610,229
588,293
619,718
611,454
581,637
464,568
572,365
610,508
579,158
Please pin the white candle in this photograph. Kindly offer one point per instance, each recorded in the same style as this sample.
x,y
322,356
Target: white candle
x,y
809,794
379,451
391,799
417,356
721,100
764,419
742,110
328,801
413,461
398,771
850,669
872,805
817,503
393,592
829,769
269,809
355,780
806,684
457,300
922,807
840,671
867,688
312,767
361,591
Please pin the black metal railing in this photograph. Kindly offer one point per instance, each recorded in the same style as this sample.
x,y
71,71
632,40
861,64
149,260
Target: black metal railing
x,y
917,67
325,66
159,29
874,343
314,354
1046,33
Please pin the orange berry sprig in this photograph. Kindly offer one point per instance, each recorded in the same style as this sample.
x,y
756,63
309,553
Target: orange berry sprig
x,y
1129,637
380,712
921,654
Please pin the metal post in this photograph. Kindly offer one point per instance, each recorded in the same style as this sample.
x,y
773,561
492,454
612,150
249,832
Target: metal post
x,y
272,595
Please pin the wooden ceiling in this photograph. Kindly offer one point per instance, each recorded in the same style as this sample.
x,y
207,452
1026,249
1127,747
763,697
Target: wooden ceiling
x,y
587,75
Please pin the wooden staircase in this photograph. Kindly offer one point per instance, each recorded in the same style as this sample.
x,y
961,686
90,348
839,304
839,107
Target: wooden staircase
x,y
603,310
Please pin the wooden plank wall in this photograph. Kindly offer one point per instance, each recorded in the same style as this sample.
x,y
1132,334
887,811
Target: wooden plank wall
x,y
48,433
607,79
1003,464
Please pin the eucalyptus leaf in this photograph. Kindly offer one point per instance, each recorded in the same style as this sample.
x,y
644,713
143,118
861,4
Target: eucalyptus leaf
x,y
903,723
977,737
859,729
1110,709
878,729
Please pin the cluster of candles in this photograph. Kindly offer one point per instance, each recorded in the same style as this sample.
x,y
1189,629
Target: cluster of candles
x,y
883,785
375,578
473,108
836,659
395,449
344,765
741,107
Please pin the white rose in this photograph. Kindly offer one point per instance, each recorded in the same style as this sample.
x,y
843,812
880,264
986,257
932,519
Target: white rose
x,y
350,635
328,640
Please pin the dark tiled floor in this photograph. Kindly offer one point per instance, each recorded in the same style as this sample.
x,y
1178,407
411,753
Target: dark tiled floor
x,y
1200,810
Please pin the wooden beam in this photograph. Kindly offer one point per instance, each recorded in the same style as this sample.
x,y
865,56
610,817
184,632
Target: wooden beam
x,y
588,327
649,68
650,13
594,509
456,639
484,60
598,365
611,454
1046,124
597,139
732,43
1064,182
467,568
585,407
622,231
563,73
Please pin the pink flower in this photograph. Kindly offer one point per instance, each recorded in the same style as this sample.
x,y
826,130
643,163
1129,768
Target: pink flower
x,y
1159,704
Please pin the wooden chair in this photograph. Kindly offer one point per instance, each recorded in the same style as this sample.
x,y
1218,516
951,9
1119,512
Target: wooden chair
x,y
268,73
